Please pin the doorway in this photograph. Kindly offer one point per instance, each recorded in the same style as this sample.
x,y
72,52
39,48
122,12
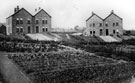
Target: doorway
x,y
107,32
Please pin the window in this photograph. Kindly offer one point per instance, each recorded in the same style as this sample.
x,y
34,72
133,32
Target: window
x,y
113,31
117,24
21,21
43,29
43,21
101,32
17,21
93,24
93,32
46,21
113,24
90,25
28,22
46,29
90,32
17,29
21,29
100,25
36,21
106,24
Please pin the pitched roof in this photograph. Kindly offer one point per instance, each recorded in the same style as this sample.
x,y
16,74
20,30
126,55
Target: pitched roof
x,y
112,13
43,11
93,15
19,11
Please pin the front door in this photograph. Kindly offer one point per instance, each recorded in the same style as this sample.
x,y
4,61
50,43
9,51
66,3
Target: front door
x,y
107,32
37,29
29,29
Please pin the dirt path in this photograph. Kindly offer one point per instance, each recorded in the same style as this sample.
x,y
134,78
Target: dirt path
x,y
11,72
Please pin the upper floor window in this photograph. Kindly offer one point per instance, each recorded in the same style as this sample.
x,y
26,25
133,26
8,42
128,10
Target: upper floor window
x,y
113,24
17,21
90,25
28,21
93,24
46,22
117,24
100,24
106,24
21,21
37,22
43,21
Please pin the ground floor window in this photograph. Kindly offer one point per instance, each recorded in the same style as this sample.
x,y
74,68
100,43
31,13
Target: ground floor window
x,y
43,29
21,29
17,29
113,31
93,32
117,32
46,29
90,32
101,32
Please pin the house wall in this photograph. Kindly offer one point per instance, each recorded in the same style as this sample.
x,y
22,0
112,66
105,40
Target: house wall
x,y
40,17
112,19
96,21
9,26
25,16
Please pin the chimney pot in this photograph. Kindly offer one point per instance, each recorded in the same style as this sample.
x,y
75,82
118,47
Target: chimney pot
x,y
15,10
112,11
93,13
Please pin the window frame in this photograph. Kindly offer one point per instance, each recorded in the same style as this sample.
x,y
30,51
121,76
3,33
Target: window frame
x,y
21,21
100,24
117,24
17,20
93,24
37,21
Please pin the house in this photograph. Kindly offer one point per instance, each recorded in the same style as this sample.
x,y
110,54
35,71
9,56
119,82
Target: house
x,y
111,25
23,22
2,29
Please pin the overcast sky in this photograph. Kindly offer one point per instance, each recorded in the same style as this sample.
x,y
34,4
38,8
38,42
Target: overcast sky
x,y
69,13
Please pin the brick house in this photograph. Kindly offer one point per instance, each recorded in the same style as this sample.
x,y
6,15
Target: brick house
x,y
22,22
111,25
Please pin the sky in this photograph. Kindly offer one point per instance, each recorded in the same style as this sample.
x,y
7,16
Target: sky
x,y
69,13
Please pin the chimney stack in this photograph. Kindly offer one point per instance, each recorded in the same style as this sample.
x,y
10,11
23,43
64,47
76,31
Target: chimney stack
x,y
15,10
92,13
112,11
39,8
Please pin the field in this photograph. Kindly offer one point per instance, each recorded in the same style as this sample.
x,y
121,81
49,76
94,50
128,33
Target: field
x,y
75,60
71,67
